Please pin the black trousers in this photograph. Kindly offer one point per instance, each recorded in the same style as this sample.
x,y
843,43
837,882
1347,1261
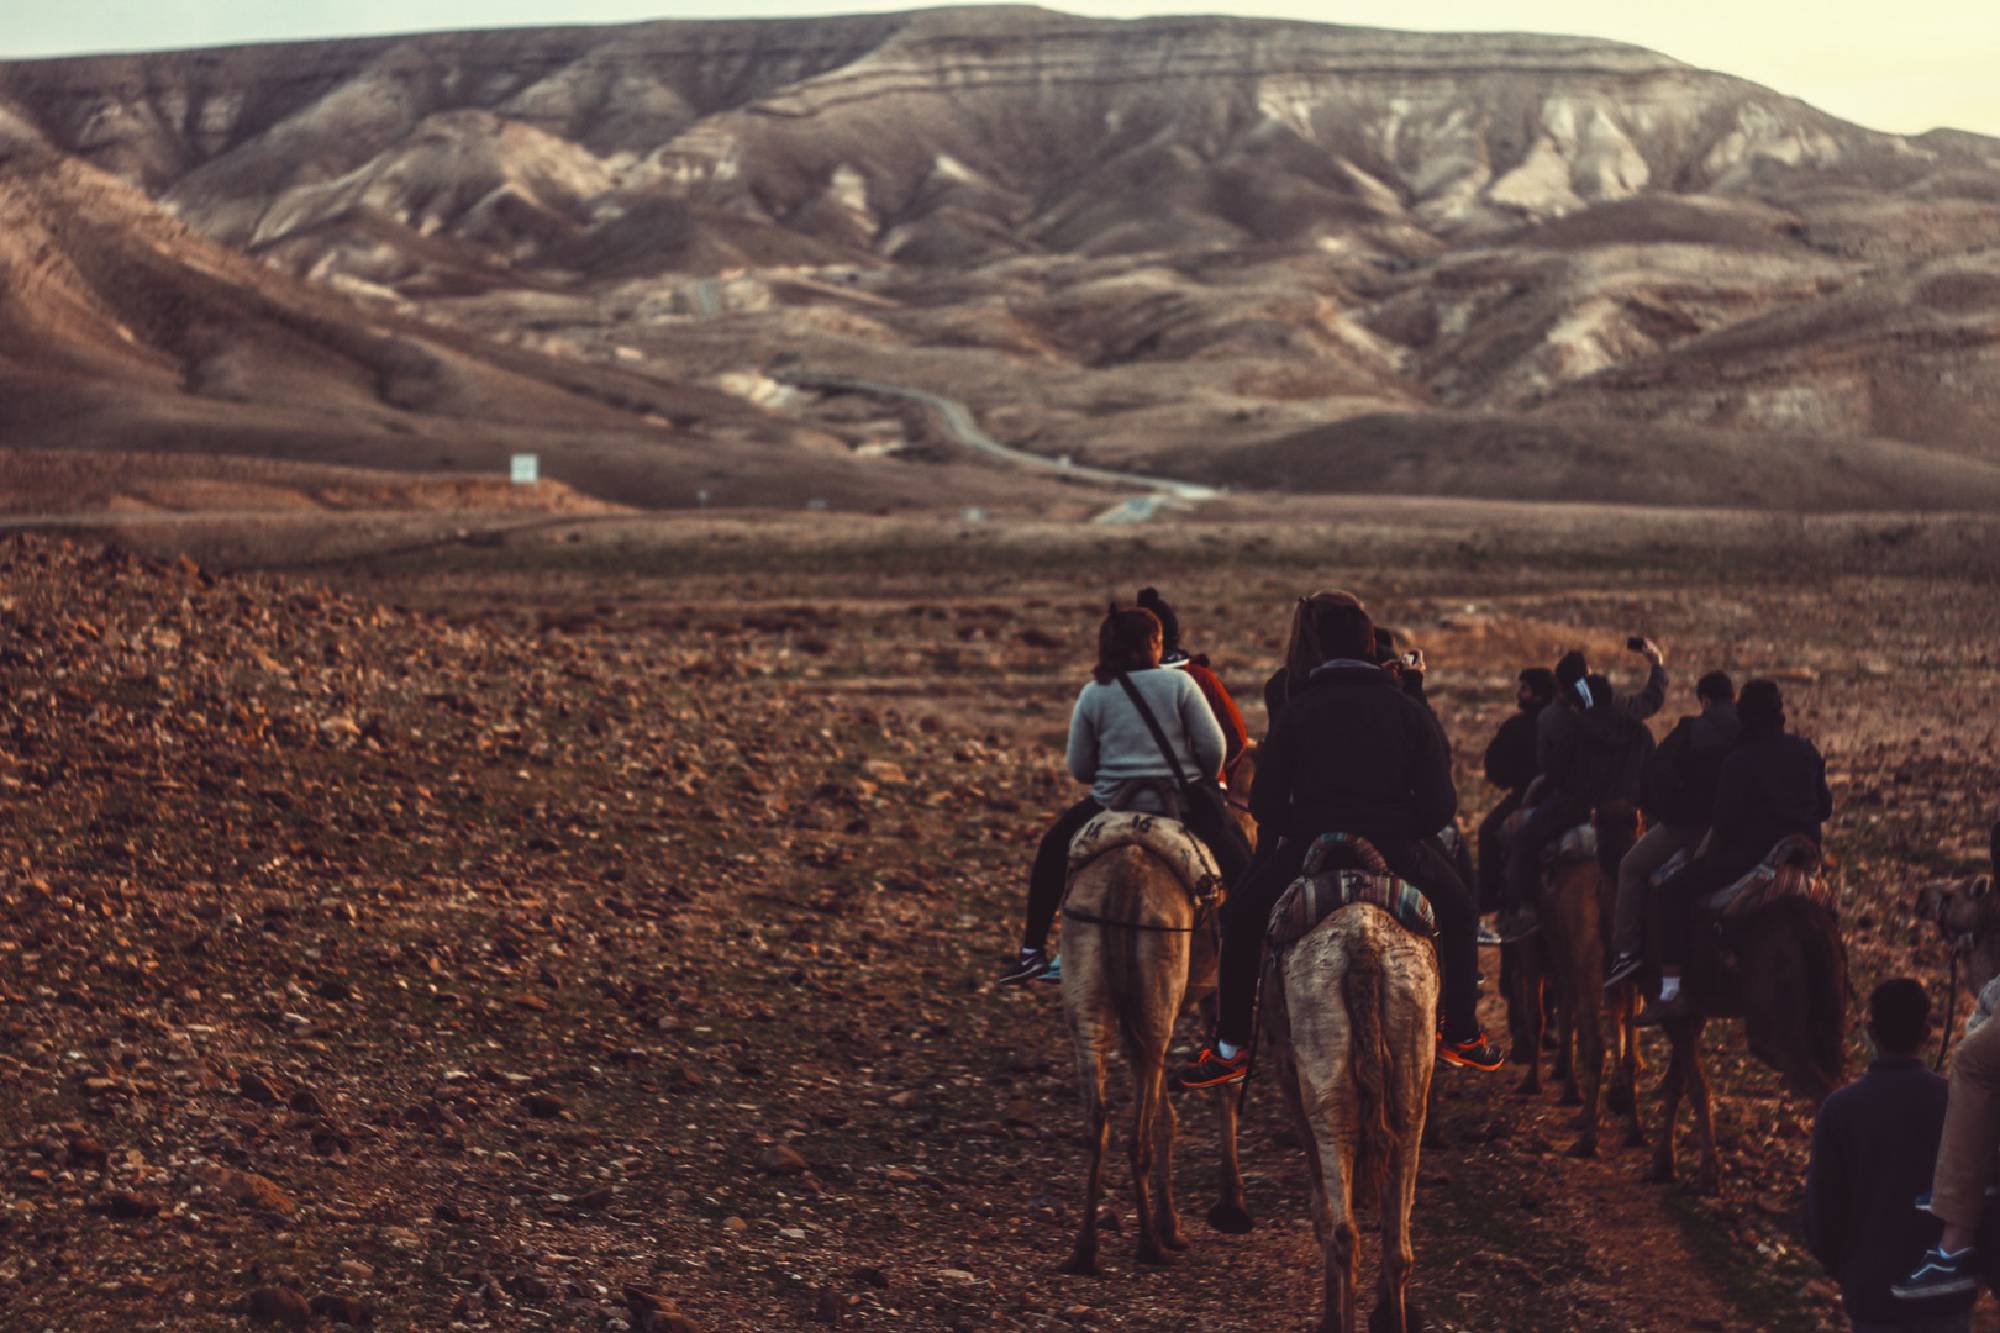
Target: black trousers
x,y
1248,913
1674,903
1493,853
1049,875
1546,822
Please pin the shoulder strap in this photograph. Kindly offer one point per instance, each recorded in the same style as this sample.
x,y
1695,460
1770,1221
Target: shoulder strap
x,y
1153,725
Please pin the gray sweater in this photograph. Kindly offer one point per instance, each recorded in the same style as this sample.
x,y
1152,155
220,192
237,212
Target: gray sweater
x,y
1109,744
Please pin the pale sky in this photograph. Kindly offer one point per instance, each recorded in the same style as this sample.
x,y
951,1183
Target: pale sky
x,y
1906,66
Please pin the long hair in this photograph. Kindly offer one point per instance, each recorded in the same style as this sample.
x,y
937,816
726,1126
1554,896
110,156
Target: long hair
x,y
1326,625
1122,642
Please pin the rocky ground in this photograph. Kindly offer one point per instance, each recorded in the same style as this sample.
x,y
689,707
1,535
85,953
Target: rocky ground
x,y
566,934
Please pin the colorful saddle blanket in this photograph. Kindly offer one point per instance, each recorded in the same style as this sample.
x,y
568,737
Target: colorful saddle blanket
x,y
1791,870
1322,889
1168,839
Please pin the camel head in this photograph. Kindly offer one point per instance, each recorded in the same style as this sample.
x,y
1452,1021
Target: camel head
x,y
1967,914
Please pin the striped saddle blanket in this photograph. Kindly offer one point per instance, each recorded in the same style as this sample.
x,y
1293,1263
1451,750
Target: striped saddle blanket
x,y
1324,887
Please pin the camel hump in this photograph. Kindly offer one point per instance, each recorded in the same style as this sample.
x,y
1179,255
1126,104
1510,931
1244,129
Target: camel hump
x,y
1791,870
1168,839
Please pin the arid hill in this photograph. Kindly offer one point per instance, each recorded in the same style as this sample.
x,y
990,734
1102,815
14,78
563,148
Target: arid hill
x,y
1124,242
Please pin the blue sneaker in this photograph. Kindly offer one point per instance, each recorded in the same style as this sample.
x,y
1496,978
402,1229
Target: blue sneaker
x,y
1053,972
1940,1274
1030,964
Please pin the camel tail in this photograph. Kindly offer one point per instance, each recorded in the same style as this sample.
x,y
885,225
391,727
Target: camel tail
x,y
1124,972
1369,1057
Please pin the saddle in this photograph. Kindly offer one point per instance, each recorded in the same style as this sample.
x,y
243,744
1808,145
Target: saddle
x,y
1323,889
1790,870
1168,839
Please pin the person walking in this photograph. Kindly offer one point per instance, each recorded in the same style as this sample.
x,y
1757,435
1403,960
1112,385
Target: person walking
x,y
1873,1146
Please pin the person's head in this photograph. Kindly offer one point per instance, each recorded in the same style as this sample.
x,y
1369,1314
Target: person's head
x,y
1761,707
1170,624
1715,688
1385,647
1537,689
1899,1016
1327,625
1128,640
1572,667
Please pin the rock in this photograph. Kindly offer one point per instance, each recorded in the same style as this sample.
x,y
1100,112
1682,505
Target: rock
x,y
127,1206
343,1309
257,1088
306,1102
829,1306
445,1212
279,1305
354,1270
87,1153
252,1190
596,1201
870,1276
542,1106
735,1226
530,1286
778,1160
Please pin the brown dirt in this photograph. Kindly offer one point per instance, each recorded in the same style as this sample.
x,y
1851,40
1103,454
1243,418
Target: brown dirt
x,y
506,908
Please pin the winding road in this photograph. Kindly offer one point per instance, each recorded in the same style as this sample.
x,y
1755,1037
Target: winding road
x,y
963,429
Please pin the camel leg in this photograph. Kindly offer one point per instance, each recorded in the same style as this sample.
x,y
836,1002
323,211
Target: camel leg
x,y
1589,1048
1531,989
1408,1107
1229,1214
1166,1218
1146,1093
1708,1178
1624,1095
1671,1087
1566,1041
1083,1258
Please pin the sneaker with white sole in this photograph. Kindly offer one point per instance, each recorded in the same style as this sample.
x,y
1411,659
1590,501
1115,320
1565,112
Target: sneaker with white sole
x,y
1030,964
1623,968
1939,1275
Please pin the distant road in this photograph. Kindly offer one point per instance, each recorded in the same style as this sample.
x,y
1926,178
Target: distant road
x,y
960,425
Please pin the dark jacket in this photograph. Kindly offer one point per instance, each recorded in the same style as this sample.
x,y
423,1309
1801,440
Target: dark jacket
x,y
1591,755
1682,775
1873,1149
1510,758
1772,784
1353,753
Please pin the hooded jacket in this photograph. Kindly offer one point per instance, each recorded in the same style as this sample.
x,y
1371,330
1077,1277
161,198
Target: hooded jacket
x,y
1592,755
1682,774
1353,753
1772,784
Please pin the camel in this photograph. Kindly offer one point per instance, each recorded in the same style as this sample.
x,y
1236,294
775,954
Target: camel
x,y
1788,983
1576,900
1138,952
1966,912
1350,1020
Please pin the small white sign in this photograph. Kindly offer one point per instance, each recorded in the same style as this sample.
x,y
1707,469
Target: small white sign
x,y
526,469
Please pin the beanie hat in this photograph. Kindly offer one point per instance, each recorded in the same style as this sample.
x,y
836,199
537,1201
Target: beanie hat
x,y
1572,668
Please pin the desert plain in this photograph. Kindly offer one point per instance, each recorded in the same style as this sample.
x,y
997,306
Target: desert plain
x,y
553,920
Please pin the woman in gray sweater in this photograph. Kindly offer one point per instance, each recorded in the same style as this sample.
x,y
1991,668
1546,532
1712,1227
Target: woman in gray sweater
x,y
1110,746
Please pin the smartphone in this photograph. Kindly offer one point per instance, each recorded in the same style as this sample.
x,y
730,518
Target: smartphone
x,y
1637,643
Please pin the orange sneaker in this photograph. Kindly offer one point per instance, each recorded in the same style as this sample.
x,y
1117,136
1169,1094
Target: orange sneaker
x,y
1477,1053
1210,1070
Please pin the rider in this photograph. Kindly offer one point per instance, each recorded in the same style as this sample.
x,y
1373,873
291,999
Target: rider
x,y
1590,749
1511,765
1351,753
1679,797
1772,785
1110,746
1234,734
